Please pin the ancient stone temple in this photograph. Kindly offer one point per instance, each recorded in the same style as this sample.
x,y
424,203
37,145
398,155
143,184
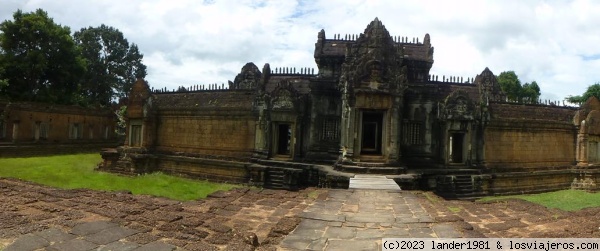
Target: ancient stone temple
x,y
372,106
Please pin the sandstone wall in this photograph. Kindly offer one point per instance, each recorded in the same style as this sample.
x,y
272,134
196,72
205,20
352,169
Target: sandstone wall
x,y
514,145
30,150
95,125
231,136
214,170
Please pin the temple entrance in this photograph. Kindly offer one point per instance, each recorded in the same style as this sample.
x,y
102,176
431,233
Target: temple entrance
x,y
283,139
372,128
456,147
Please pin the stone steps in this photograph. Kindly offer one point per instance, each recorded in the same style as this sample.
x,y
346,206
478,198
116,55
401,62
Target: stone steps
x,y
370,168
373,182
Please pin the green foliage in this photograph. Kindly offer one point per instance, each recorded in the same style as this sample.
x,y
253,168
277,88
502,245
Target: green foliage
x,y
77,171
121,122
592,90
113,64
511,85
39,58
530,92
568,200
41,61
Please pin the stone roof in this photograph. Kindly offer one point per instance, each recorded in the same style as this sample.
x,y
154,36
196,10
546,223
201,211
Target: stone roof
x,y
531,112
55,108
333,47
300,83
438,91
221,99
337,47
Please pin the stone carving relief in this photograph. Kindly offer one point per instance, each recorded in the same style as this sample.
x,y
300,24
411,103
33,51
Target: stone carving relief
x,y
283,100
375,62
457,106
284,97
247,79
489,89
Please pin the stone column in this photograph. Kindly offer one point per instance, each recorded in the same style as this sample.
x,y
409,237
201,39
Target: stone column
x,y
395,133
582,145
582,149
346,138
15,131
261,150
36,133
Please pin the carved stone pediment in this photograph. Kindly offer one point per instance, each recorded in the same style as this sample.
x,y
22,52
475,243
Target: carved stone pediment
x,y
489,88
248,78
284,97
374,61
457,106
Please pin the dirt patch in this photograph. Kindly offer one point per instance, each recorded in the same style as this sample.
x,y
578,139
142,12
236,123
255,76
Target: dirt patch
x,y
513,218
240,219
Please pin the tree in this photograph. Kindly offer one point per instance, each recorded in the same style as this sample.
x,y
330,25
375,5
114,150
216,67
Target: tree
x,y
592,90
511,85
40,60
113,64
530,92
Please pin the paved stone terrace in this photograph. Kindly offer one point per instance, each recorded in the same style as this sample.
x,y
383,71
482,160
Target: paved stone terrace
x,y
376,182
99,235
358,219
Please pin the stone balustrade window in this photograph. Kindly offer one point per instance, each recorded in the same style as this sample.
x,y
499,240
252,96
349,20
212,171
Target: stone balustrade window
x,y
411,133
2,129
75,131
330,130
44,128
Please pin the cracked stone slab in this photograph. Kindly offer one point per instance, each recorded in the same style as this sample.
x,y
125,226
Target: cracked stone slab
x,y
72,245
55,235
28,242
352,245
119,246
445,231
323,217
92,227
157,246
110,235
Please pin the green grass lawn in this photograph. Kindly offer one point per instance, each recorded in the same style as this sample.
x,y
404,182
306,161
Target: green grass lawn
x,y
568,200
77,171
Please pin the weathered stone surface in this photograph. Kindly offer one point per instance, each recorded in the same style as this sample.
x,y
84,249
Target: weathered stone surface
x,y
92,227
109,235
28,242
119,246
74,244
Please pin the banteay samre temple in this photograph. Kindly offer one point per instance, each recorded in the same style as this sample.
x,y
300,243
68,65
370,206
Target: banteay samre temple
x,y
372,107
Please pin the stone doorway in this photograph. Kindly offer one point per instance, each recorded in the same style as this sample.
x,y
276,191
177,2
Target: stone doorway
x,y
372,128
456,148
283,139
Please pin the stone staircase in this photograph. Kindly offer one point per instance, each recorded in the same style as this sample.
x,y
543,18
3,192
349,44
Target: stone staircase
x,y
275,179
369,168
463,185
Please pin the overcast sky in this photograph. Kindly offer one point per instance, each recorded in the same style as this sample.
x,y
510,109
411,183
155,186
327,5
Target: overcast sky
x,y
186,42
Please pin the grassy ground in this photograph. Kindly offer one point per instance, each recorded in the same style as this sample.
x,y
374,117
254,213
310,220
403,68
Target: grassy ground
x,y
77,171
568,200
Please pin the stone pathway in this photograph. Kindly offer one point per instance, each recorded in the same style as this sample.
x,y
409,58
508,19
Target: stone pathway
x,y
359,219
98,235
375,182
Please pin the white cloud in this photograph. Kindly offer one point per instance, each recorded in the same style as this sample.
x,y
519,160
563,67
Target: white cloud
x,y
190,42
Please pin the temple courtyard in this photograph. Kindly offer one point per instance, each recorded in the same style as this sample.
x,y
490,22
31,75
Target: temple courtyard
x,y
36,217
